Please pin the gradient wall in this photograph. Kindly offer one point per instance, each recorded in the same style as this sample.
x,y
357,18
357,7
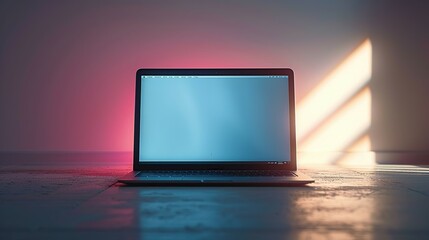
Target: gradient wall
x,y
67,67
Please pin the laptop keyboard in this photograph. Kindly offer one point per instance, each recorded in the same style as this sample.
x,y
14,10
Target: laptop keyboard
x,y
220,173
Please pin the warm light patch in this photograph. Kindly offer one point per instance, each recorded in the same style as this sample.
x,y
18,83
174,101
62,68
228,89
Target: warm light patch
x,y
343,127
357,159
362,144
336,115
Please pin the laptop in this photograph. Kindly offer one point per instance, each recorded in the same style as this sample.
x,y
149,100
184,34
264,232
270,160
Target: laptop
x,y
215,127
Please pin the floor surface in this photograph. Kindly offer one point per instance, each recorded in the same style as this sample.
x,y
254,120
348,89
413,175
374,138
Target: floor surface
x,y
75,196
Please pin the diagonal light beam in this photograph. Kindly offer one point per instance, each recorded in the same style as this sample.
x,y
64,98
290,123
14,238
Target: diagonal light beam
x,y
337,113
342,83
348,123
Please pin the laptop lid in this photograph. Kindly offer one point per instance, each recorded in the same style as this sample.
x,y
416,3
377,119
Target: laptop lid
x,y
214,119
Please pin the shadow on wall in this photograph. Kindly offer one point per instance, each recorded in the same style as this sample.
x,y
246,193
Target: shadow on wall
x,y
335,116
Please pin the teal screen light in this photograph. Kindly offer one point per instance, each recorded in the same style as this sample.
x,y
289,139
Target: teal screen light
x,y
214,118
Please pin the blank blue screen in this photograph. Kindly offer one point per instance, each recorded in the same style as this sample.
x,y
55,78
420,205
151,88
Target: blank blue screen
x,y
214,118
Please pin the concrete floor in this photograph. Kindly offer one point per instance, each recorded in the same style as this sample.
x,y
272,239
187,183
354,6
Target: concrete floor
x,y
75,196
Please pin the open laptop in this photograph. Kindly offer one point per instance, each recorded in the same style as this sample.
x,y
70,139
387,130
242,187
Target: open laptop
x,y
215,127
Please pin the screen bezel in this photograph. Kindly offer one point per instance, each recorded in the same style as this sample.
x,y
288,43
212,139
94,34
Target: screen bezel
x,y
203,165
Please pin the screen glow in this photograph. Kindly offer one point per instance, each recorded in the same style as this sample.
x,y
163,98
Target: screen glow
x,y
214,118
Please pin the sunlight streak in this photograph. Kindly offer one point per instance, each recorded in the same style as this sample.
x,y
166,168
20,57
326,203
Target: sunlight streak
x,y
343,127
342,83
335,116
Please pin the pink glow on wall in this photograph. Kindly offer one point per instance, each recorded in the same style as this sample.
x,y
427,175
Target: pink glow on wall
x,y
67,67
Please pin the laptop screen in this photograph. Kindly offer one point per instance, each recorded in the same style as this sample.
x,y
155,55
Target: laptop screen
x,y
214,119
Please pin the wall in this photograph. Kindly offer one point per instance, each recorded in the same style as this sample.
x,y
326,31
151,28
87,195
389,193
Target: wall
x,y
67,67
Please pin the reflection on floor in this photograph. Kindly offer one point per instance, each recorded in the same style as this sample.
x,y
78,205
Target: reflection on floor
x,y
58,196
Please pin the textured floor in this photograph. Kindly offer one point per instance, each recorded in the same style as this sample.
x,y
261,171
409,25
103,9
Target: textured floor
x,y
74,196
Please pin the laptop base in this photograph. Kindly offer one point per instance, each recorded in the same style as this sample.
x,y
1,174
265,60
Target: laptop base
x,y
296,178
